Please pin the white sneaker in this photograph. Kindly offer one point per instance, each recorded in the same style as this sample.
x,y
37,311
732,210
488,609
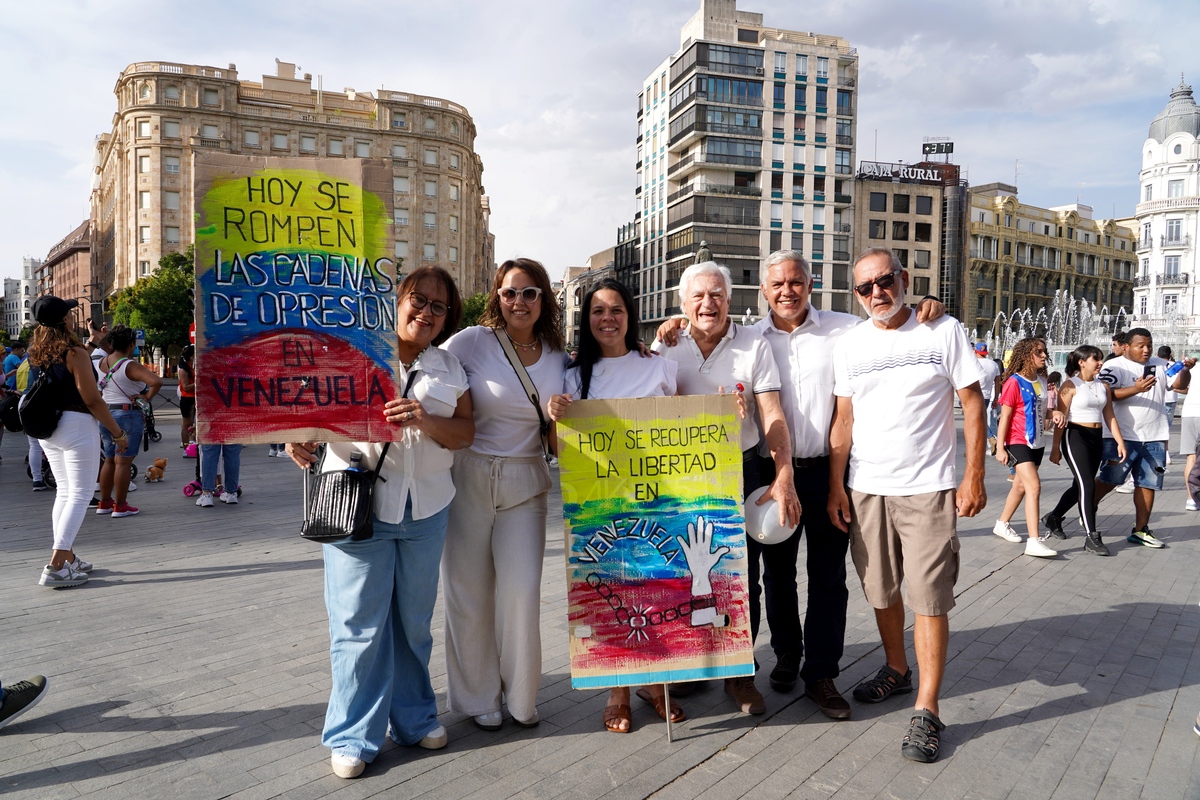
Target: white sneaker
x,y
229,497
436,739
347,766
1005,531
1035,547
132,486
490,721
1125,488
1190,505
204,500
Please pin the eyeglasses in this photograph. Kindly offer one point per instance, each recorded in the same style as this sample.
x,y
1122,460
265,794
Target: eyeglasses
x,y
884,282
419,301
509,295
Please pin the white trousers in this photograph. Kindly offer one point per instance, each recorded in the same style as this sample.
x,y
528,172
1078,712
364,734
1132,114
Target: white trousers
x,y
491,579
73,451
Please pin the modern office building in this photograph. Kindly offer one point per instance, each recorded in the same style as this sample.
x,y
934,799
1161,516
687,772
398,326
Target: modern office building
x,y
1168,223
745,144
1020,255
142,190
919,212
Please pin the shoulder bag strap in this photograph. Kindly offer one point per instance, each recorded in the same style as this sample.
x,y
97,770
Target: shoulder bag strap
x,y
530,390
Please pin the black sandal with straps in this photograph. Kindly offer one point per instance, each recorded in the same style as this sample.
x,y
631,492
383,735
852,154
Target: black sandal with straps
x,y
886,683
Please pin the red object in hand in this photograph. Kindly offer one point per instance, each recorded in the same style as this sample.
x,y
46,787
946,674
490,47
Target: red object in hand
x,y
741,388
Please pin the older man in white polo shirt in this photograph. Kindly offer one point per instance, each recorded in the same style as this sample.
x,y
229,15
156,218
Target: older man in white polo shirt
x,y
716,355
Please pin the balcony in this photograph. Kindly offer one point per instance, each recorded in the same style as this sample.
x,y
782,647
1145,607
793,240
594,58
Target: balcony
x,y
844,110
846,83
845,199
1168,204
1175,241
1145,243
714,159
841,255
846,140
1178,279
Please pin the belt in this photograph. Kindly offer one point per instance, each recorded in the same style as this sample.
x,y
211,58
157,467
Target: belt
x,y
121,407
749,455
810,463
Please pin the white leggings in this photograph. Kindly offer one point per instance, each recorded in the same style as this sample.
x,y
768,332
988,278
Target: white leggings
x,y
73,451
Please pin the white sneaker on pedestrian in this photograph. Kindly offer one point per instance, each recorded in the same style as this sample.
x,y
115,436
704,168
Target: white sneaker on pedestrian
x,y
1125,488
204,500
347,766
1006,532
436,739
1036,547
132,486
229,497
1190,505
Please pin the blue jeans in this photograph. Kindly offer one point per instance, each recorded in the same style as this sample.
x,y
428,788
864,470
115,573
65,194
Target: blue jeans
x,y
380,595
210,454
134,425
1146,460
993,420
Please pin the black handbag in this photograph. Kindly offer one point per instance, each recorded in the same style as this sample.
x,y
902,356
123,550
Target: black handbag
x,y
337,504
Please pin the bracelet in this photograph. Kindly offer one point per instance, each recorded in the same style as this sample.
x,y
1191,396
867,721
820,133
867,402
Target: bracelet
x,y
931,297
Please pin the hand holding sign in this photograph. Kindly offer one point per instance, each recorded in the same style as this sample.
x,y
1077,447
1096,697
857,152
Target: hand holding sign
x,y
701,558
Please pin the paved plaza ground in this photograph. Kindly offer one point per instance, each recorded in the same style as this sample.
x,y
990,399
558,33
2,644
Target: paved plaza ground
x,y
195,665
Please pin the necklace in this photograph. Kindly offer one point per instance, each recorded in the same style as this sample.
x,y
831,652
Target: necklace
x,y
409,364
526,347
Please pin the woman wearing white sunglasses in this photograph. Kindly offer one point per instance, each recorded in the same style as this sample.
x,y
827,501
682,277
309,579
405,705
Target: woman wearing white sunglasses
x,y
496,537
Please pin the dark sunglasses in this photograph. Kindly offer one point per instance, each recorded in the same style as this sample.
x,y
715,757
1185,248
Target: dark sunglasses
x,y
419,301
884,282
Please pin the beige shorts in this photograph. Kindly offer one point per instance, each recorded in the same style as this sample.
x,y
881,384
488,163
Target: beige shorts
x,y
911,539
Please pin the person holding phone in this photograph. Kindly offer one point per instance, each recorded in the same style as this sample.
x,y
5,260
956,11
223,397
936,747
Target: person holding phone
x,y
1139,382
1022,422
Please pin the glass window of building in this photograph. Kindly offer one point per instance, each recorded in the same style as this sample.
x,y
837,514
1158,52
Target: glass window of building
x,y
143,128
400,216
430,124
922,232
921,259
429,252
210,132
362,149
430,220
399,151
1174,231
1148,193
171,234
878,201
144,234
900,231
143,164
335,147
171,129
1175,188
818,215
920,287
400,185
430,156
925,205
797,214
171,93
250,138
900,203
801,64
1171,266
279,141
144,268
212,97
901,256
454,191
171,201
454,255
453,222
401,249
431,188
877,229
399,120
781,62
143,199
822,67
454,161
308,143
453,128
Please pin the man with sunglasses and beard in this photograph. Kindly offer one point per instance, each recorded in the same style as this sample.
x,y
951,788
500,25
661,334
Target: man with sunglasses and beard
x,y
893,427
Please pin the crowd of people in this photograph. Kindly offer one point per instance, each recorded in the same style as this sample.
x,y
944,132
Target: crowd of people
x,y
848,423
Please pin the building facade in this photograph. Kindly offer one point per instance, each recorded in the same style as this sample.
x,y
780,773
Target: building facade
x,y
1168,223
575,285
919,212
19,294
67,270
746,144
1020,255
142,205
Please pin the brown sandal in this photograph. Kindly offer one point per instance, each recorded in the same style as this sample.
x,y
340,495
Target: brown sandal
x,y
660,705
614,715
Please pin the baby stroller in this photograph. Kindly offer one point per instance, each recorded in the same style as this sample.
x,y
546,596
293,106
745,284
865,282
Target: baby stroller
x,y
149,434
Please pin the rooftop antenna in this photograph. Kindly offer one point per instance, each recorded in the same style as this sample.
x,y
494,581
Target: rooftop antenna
x,y
1016,172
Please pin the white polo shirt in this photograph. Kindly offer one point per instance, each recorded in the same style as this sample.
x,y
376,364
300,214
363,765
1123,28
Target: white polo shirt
x,y
902,384
804,358
742,356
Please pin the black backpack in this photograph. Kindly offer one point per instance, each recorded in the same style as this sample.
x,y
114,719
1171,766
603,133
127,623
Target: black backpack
x,y
39,407
9,415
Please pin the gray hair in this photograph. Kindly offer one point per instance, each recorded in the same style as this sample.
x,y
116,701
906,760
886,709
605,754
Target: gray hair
x,y
782,257
705,268
879,251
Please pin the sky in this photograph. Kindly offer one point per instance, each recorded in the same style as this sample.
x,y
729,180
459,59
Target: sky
x,y
1054,94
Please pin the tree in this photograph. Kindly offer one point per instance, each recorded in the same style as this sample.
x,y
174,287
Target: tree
x,y
3,338
158,304
472,310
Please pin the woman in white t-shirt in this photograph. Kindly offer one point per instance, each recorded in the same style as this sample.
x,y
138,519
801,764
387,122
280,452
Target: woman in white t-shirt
x,y
609,365
496,538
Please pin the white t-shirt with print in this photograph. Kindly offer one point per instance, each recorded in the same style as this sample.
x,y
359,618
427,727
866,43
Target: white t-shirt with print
x,y
630,375
506,423
902,385
1142,417
742,356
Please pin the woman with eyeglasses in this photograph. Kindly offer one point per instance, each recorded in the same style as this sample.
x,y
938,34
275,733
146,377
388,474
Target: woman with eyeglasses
x,y
380,592
496,539
1019,436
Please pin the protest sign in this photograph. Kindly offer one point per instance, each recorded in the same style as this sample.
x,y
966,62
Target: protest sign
x,y
296,299
655,541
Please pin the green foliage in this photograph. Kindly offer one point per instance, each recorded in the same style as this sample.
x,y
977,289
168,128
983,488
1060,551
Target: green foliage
x,y
4,340
158,304
26,334
472,310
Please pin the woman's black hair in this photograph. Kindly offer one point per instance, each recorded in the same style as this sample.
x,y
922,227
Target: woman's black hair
x,y
121,337
589,348
1079,355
